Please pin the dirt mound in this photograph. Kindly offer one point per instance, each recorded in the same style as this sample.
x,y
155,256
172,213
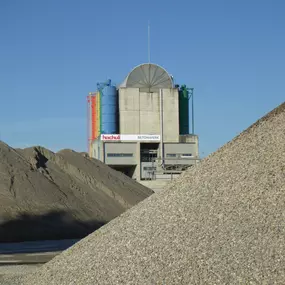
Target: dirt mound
x,y
56,191
222,222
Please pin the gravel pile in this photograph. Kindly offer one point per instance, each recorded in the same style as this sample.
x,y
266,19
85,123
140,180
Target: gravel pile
x,y
46,195
17,269
222,222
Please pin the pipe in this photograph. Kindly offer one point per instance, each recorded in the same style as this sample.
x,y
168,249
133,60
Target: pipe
x,y
99,124
99,142
90,123
193,131
161,126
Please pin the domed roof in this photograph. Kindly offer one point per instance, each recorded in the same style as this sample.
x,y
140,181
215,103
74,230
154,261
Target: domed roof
x,y
148,77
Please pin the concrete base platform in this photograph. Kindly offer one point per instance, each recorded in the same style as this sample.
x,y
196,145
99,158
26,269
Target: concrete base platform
x,y
155,185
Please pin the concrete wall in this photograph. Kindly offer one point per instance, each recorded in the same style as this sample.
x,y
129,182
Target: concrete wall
x,y
98,150
188,139
170,115
114,149
134,148
179,149
139,113
129,110
149,113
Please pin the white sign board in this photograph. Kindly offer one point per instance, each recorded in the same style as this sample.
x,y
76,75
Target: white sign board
x,y
116,137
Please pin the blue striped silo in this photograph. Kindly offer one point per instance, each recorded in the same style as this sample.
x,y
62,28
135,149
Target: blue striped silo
x,y
109,109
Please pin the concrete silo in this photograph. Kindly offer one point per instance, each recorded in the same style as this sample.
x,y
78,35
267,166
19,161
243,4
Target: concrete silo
x,y
145,135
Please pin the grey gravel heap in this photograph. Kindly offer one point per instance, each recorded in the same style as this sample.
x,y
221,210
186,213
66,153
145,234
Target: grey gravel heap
x,y
223,222
46,195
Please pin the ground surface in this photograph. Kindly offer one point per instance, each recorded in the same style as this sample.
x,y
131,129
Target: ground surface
x,y
25,257
222,222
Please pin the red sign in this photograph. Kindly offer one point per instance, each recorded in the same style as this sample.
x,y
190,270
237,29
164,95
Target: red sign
x,y
111,137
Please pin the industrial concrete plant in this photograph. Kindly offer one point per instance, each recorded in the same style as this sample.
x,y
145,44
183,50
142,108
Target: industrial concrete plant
x,y
142,126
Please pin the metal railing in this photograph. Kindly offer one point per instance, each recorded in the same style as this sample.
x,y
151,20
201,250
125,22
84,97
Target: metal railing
x,y
169,171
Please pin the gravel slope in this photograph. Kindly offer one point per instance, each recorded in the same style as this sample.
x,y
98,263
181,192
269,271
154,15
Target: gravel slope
x,y
46,195
222,222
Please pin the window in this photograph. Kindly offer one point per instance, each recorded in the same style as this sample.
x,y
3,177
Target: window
x,y
149,168
120,154
170,155
186,155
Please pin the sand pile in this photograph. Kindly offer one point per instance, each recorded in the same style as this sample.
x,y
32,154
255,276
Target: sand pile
x,y
222,222
46,195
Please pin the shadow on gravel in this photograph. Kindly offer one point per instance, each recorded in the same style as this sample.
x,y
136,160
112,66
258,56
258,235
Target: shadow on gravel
x,y
54,225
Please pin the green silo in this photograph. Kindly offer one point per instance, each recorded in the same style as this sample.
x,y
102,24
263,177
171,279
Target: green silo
x,y
183,110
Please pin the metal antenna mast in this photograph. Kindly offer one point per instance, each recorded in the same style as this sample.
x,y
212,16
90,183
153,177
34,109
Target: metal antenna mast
x,y
148,42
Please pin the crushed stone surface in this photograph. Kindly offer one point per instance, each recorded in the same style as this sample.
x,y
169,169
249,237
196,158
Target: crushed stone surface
x,y
222,222
18,269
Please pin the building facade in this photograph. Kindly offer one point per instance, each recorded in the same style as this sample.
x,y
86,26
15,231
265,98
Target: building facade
x,y
137,127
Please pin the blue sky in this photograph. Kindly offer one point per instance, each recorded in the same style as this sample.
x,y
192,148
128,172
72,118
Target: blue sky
x,y
53,52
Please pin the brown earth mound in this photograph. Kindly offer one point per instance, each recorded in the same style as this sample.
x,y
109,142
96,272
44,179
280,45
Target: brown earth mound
x,y
222,222
46,195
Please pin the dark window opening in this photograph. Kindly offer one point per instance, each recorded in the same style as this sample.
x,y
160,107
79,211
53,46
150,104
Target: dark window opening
x,y
149,168
120,154
149,152
170,155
